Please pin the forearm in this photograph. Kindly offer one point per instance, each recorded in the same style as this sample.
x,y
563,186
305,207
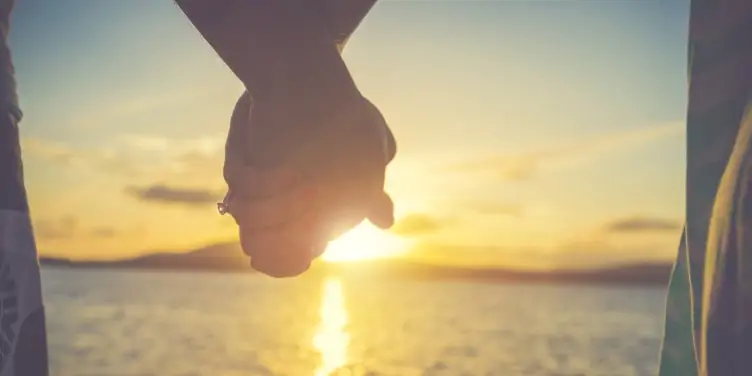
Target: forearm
x,y
344,16
8,96
283,51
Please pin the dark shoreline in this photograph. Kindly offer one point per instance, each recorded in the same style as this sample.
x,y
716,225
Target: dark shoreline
x,y
627,275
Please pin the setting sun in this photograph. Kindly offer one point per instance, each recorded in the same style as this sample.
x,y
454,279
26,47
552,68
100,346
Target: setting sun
x,y
364,242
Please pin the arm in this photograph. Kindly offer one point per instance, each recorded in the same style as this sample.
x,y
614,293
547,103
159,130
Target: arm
x,y
344,16
286,54
304,114
283,50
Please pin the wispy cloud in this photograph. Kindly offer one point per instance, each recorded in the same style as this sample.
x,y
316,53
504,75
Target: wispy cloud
x,y
206,144
497,209
118,108
138,156
104,232
628,240
102,159
577,253
416,224
69,227
54,229
524,166
164,194
639,224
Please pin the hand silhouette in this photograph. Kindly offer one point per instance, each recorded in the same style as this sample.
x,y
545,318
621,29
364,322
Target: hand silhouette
x,y
294,189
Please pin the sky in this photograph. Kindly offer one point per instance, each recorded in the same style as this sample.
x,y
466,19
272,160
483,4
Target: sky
x,y
531,133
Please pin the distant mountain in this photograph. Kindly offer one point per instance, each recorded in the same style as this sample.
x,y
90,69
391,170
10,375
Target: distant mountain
x,y
227,257
218,257
636,274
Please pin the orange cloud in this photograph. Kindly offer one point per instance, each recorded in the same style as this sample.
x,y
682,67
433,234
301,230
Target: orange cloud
x,y
160,193
642,224
417,224
525,166
69,227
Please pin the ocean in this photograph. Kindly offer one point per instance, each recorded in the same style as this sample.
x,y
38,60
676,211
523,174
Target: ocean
x,y
138,323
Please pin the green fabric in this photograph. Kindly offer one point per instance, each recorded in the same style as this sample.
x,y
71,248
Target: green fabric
x,y
719,94
678,352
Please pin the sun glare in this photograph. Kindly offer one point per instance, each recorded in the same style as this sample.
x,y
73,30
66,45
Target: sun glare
x,y
364,242
332,339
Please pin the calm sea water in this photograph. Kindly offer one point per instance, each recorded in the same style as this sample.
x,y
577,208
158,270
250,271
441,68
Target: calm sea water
x,y
121,323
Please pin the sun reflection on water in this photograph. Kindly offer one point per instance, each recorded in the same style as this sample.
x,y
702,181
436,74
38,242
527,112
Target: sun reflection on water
x,y
331,338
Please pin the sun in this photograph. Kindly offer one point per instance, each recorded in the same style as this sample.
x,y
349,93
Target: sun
x,y
364,242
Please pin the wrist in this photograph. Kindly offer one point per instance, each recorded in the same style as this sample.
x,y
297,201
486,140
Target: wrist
x,y
306,94
276,48
303,70
283,52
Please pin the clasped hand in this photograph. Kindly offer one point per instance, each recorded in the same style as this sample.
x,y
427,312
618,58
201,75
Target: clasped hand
x,y
325,184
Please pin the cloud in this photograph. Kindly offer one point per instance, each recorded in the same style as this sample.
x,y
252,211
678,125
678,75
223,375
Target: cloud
x,y
598,246
49,150
583,252
209,144
103,159
642,225
138,157
417,224
160,193
69,227
123,107
56,229
104,232
499,209
525,166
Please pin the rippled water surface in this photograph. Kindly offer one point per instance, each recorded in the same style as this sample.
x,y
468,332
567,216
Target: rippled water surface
x,y
105,323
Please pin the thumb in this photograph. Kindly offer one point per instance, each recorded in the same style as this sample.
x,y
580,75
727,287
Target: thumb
x,y
237,138
381,213
391,145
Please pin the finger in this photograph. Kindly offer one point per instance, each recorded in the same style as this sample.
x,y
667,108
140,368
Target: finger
x,y
391,145
378,119
271,211
237,138
381,213
251,182
278,269
283,251
319,248
300,231
284,262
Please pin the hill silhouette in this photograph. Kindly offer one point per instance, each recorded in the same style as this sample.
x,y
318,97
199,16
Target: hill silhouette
x,y
216,257
227,257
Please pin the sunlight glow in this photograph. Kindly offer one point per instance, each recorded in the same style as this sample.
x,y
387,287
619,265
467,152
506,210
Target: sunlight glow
x,y
331,339
364,242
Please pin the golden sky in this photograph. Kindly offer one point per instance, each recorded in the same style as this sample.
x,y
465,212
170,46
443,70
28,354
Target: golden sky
x,y
533,134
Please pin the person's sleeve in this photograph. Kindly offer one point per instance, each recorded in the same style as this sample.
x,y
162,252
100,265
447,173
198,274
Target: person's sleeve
x,y
719,185
23,343
8,95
